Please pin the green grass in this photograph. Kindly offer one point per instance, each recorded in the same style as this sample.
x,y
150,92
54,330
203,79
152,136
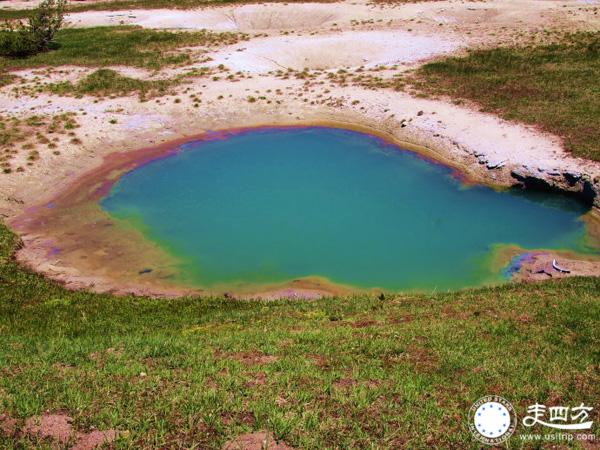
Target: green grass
x,y
347,372
10,14
120,45
106,82
553,86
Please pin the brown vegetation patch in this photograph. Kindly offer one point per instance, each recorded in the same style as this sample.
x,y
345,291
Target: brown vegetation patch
x,y
95,439
423,359
554,398
260,440
524,319
57,428
319,361
8,425
344,383
418,356
200,435
50,426
450,312
588,379
260,379
252,358
364,324
401,319
242,417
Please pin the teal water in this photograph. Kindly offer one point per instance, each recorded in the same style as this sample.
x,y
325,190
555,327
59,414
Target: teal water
x,y
275,204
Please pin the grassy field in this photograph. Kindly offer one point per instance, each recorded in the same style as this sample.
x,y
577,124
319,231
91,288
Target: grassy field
x,y
120,45
554,86
337,373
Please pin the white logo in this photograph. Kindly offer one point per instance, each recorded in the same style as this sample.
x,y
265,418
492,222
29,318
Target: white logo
x,y
492,419
575,421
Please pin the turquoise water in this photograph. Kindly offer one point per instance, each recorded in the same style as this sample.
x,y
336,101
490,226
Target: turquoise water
x,y
276,204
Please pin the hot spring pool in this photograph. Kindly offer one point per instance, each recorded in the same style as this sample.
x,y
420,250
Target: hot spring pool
x,y
271,205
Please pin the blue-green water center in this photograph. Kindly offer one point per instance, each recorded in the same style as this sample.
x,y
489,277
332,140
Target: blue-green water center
x,y
272,205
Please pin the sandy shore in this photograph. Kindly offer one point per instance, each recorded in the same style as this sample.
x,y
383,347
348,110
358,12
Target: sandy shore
x,y
481,146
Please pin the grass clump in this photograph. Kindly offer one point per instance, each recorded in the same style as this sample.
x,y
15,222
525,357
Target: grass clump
x,y
120,45
363,372
107,82
554,86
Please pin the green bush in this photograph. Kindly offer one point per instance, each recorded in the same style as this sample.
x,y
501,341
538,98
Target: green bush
x,y
16,41
19,40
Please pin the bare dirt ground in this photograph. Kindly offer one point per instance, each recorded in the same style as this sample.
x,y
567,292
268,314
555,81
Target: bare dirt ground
x,y
322,38
260,440
478,21
57,431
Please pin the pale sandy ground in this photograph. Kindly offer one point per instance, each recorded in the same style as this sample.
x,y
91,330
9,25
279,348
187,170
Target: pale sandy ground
x,y
349,49
325,36
463,16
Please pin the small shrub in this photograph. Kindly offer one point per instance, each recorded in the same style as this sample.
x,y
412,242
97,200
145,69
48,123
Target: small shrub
x,y
45,21
20,40
16,41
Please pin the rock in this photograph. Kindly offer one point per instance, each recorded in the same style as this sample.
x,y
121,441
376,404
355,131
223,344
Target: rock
x,y
572,177
495,164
